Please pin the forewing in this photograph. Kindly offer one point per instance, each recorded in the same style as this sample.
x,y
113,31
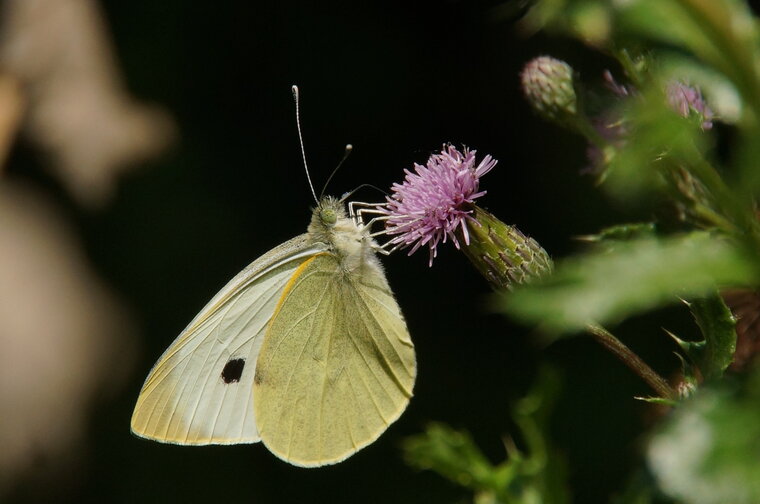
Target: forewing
x,y
200,390
337,365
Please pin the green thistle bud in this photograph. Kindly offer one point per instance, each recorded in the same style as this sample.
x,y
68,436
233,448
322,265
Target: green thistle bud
x,y
548,85
501,253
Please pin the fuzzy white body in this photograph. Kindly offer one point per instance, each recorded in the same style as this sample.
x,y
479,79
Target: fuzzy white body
x,y
348,239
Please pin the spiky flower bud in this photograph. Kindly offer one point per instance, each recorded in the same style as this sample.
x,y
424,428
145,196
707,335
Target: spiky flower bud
x,y
548,85
503,254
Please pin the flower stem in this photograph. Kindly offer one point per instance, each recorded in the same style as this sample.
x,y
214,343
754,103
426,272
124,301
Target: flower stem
x,y
633,361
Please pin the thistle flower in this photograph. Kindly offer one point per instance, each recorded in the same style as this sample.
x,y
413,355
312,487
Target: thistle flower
x,y
436,203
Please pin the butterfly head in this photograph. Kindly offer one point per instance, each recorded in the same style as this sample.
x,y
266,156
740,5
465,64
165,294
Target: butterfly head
x,y
328,217
328,213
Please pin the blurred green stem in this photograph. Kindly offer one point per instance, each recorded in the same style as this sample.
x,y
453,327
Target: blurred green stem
x,y
633,361
735,216
630,67
584,127
728,41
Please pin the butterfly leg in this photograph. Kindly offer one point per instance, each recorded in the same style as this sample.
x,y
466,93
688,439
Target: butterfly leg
x,y
359,211
359,216
363,208
385,250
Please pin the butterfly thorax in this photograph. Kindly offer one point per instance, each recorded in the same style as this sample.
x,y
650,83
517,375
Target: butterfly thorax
x,y
349,240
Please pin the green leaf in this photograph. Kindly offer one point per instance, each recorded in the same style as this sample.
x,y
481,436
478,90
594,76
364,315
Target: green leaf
x,y
716,351
607,286
708,452
452,454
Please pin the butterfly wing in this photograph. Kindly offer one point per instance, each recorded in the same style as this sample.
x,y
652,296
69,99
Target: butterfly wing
x,y
337,365
200,390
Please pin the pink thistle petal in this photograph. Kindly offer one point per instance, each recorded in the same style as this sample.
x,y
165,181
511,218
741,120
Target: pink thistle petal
x,y
435,200
684,99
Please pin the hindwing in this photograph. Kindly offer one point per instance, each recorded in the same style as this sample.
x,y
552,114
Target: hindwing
x,y
337,365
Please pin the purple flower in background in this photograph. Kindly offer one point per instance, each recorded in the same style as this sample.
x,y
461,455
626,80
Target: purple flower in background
x,y
620,90
435,200
612,127
684,99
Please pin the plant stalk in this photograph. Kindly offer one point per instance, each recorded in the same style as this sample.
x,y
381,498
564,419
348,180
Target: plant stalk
x,y
633,361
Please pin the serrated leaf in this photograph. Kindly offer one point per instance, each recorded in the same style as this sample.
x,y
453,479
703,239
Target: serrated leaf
x,y
716,351
608,286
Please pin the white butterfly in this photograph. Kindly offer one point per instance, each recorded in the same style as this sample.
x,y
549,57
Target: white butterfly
x,y
305,349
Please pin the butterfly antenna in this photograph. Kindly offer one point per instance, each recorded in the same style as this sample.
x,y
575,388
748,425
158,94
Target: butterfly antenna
x,y
347,152
300,140
362,186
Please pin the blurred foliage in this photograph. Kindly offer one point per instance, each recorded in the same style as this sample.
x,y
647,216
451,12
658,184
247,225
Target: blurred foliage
x,y
640,490
659,151
708,451
530,475
676,136
615,281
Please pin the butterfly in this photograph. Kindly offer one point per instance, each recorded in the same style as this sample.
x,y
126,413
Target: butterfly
x,y
305,350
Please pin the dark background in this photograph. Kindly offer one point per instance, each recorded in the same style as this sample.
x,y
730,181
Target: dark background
x,y
397,80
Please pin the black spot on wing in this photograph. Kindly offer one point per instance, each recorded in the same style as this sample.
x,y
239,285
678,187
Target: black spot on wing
x,y
233,370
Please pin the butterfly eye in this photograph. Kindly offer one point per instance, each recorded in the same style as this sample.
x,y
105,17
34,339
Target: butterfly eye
x,y
328,216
